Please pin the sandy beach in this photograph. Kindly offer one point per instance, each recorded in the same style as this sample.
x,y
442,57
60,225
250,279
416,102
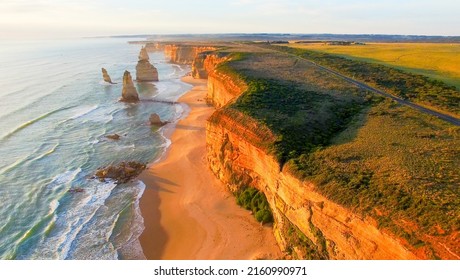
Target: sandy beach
x,y
188,213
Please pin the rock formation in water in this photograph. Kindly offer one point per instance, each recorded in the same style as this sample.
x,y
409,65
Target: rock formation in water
x,y
145,72
129,92
113,136
106,76
155,120
122,173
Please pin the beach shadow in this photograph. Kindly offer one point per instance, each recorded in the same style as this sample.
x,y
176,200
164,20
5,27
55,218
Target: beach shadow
x,y
198,105
153,239
188,127
163,181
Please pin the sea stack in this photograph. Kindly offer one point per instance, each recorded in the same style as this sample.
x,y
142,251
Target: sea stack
x,y
106,76
129,92
155,120
145,72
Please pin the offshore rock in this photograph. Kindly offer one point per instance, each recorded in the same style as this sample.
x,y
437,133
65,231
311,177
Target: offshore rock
x,y
106,77
113,136
129,92
155,120
145,72
122,173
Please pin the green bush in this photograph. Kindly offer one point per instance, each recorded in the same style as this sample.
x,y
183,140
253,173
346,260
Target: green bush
x,y
254,200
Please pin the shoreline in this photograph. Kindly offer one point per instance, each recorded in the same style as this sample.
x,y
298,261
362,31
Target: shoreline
x,y
188,213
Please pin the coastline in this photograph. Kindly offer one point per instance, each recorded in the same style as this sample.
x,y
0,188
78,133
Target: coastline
x,y
188,213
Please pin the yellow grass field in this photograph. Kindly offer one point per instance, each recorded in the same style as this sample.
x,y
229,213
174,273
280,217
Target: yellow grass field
x,y
438,61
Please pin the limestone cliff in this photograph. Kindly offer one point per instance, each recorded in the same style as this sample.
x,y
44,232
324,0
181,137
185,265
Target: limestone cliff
x,y
184,54
222,89
205,63
154,46
129,91
145,72
106,76
306,224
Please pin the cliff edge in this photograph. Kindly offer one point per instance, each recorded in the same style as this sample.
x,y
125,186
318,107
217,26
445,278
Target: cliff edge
x,y
280,112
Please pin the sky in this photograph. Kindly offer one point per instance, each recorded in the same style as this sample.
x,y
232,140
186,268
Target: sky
x,y
82,18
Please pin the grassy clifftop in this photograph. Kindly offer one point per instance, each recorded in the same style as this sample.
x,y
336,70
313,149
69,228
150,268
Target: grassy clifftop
x,y
414,87
364,152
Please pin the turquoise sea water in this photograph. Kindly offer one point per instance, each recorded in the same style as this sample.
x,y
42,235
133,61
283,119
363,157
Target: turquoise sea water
x,y
54,113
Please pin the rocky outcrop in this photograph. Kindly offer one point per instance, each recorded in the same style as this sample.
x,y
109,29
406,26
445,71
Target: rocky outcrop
x,y
122,172
129,91
156,120
145,72
184,54
106,76
113,136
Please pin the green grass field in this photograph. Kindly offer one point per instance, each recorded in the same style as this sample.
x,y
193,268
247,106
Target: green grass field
x,y
437,61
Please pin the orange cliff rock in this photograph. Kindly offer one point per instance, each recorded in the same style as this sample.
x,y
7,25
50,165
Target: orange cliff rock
x,y
205,62
333,231
184,54
306,224
145,72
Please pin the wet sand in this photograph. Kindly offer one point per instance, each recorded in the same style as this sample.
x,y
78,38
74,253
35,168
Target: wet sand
x,y
188,213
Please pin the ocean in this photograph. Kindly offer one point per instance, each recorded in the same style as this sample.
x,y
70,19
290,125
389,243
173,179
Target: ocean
x,y
55,112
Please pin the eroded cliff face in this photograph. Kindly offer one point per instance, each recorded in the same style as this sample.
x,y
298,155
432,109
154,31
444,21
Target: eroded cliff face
x,y
205,63
306,224
222,88
184,54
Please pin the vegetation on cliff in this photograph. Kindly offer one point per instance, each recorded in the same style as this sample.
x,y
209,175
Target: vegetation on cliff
x,y
254,200
364,152
437,61
396,165
301,118
417,88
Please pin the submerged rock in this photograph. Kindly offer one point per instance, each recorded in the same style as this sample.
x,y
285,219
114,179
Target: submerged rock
x,y
145,72
76,190
113,136
129,92
106,76
156,120
122,173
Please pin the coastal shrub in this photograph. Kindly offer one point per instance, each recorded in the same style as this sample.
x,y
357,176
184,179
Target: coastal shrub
x,y
255,201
